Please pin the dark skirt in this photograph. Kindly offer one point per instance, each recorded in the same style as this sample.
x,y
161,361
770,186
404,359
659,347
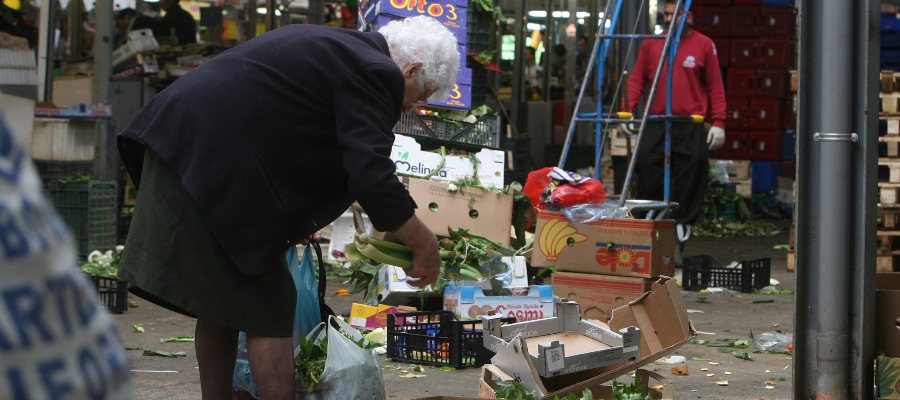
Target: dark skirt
x,y
172,259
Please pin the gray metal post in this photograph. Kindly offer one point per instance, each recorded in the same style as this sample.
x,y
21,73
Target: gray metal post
x,y
836,198
106,154
519,28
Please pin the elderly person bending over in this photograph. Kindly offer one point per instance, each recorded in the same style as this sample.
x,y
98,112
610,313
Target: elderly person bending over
x,y
254,152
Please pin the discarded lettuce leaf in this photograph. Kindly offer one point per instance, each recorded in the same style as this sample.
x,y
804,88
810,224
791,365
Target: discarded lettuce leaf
x,y
170,354
742,355
137,329
177,339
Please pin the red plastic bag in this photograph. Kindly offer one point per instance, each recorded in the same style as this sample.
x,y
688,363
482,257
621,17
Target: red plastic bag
x,y
536,183
588,192
546,192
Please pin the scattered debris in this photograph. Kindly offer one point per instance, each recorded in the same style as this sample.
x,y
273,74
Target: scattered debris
x,y
727,373
177,339
704,369
413,376
762,301
137,328
671,360
342,292
133,304
742,355
170,354
700,359
722,383
695,312
682,370
713,363
152,371
710,374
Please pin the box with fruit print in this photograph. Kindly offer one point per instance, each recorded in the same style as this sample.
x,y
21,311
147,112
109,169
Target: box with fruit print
x,y
470,302
612,246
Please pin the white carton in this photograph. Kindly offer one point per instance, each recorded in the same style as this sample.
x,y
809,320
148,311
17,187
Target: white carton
x,y
393,290
411,160
61,139
470,302
139,41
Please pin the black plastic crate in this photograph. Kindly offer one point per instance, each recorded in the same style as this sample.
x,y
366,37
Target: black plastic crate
x,y
484,132
112,292
89,209
436,338
701,272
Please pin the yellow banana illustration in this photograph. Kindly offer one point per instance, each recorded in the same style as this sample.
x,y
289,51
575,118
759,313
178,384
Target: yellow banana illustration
x,y
544,242
554,238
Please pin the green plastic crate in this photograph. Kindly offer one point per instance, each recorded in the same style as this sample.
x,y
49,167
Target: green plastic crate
x,y
89,209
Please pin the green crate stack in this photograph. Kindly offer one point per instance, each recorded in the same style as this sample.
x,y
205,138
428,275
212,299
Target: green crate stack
x,y
89,209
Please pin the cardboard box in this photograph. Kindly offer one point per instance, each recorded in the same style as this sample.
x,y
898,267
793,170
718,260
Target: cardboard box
x,y
370,317
491,376
469,302
480,211
663,321
888,371
411,160
139,41
597,294
887,313
612,246
392,288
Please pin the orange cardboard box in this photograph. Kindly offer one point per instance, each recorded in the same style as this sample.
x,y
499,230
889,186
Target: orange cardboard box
x,y
612,246
597,294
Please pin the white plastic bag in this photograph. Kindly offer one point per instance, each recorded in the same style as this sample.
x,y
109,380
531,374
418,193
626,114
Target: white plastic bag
x,y
351,372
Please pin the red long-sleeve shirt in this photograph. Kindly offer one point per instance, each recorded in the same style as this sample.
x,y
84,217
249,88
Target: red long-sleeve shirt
x,y
697,87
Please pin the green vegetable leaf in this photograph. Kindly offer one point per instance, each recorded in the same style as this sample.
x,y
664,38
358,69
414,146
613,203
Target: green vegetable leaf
x,y
742,355
177,339
170,354
137,329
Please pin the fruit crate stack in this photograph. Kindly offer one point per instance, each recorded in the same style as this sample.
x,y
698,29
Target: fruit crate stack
x,y
889,173
755,41
89,209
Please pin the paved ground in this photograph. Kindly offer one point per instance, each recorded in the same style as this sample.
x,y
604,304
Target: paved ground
x,y
724,317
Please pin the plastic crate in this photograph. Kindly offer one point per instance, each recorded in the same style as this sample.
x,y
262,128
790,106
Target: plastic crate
x,y
484,132
701,272
113,293
90,210
436,338
55,170
765,175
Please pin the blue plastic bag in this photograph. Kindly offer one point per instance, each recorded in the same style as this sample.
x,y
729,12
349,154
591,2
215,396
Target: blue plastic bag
x,y
306,315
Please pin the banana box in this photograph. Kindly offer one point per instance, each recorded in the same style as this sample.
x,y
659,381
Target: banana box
x,y
611,246
393,289
470,302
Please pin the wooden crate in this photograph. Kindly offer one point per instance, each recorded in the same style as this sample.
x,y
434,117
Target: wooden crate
x,y
893,164
888,194
744,187
886,263
887,81
889,102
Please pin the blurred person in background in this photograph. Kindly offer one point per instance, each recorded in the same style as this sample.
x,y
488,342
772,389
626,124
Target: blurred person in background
x,y
226,185
697,89
178,23
129,19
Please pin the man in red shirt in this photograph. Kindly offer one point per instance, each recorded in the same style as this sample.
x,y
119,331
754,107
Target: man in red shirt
x,y
697,89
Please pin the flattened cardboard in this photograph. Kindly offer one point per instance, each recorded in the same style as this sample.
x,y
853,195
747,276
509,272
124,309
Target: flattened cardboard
x,y
661,316
491,375
597,294
887,313
612,246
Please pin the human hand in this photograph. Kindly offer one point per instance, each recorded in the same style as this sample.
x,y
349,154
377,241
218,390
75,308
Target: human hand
x,y
715,138
426,261
311,238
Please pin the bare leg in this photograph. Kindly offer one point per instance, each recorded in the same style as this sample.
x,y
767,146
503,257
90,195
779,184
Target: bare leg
x,y
216,348
272,366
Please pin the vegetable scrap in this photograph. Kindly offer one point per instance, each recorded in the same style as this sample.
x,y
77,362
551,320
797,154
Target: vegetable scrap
x,y
170,354
341,292
137,329
682,370
177,339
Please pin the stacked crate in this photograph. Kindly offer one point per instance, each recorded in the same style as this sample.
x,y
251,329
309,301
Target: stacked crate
x,y
890,41
756,48
889,174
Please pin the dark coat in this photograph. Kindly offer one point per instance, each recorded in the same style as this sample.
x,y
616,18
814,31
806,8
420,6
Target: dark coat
x,y
275,138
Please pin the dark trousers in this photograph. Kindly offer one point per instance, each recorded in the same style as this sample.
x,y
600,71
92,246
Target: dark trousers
x,y
689,166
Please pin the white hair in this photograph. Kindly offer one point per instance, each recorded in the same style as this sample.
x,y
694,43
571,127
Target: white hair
x,y
423,39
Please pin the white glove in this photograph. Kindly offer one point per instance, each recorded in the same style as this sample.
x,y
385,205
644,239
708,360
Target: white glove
x,y
716,138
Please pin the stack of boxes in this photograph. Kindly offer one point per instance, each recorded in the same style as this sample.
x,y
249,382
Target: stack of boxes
x,y
605,264
755,40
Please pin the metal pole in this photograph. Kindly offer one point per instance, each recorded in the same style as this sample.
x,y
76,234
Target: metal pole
x,y
836,199
520,26
106,154
46,51
252,17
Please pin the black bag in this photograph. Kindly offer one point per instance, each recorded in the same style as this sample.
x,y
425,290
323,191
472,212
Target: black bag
x,y
324,310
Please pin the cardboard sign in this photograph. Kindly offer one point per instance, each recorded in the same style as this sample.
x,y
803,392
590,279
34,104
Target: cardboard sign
x,y
612,246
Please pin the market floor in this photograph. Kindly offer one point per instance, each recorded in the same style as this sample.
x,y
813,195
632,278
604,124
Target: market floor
x,y
726,317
